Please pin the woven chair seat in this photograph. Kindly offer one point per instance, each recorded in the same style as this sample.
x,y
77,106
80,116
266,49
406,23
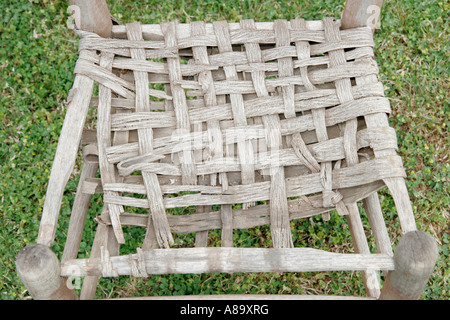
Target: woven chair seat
x,y
247,124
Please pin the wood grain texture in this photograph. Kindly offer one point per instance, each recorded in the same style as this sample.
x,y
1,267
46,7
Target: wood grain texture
x,y
94,16
39,269
65,156
245,124
81,204
206,260
414,258
145,136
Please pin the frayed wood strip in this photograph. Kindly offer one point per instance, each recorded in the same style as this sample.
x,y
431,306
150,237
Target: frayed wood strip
x,y
137,264
340,45
206,81
106,267
98,43
245,150
344,92
338,114
153,32
359,174
262,34
106,78
258,106
303,207
159,220
142,120
331,150
179,101
107,170
159,67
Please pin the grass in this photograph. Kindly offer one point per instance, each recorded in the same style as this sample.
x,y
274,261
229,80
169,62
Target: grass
x,y
37,56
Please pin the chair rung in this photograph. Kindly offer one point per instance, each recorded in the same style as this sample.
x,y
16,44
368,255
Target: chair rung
x,y
227,260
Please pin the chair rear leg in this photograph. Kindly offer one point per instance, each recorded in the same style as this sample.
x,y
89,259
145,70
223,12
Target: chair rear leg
x,y
104,237
361,245
378,225
80,204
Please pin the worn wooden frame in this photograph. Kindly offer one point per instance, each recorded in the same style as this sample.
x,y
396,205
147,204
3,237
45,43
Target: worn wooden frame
x,y
407,271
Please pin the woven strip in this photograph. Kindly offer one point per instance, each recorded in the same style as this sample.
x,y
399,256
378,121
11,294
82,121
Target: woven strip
x,y
245,150
247,114
104,140
279,215
302,47
215,138
179,102
145,136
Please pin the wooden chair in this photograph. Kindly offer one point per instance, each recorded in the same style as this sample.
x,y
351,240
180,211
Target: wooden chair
x,y
285,118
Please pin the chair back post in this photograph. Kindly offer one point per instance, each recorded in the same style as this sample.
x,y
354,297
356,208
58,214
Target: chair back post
x,y
361,13
94,16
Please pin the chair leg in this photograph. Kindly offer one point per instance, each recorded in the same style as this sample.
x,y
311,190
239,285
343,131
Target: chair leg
x,y
201,237
40,270
65,157
399,192
104,237
370,277
415,258
378,225
81,204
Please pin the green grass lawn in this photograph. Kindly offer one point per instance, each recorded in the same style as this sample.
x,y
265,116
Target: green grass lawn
x,y
37,56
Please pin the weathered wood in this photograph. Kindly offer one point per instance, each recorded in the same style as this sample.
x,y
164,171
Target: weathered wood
x,y
201,237
329,150
93,15
81,204
249,218
361,13
65,156
145,136
344,93
397,187
372,203
179,102
107,170
279,216
153,32
415,258
104,237
206,260
39,269
378,225
226,218
376,221
359,174
200,55
297,112
245,150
